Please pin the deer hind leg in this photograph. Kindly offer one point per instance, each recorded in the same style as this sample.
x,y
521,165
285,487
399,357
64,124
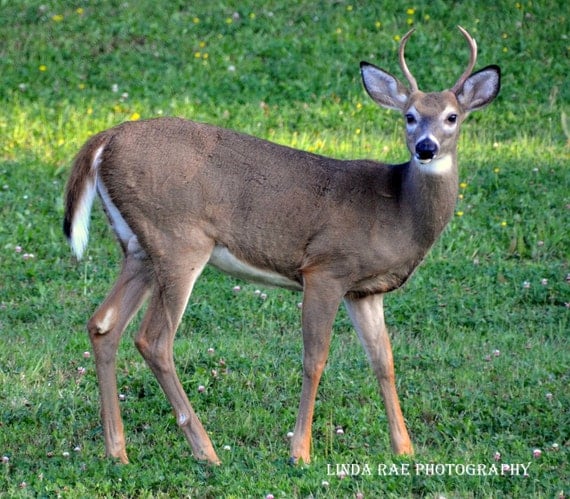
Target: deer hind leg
x,y
174,280
367,315
320,303
105,330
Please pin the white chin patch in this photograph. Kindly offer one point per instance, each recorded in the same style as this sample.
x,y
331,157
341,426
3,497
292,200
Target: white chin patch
x,y
438,165
425,161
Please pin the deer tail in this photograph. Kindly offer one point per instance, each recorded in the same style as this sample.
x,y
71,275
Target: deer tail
x,y
80,193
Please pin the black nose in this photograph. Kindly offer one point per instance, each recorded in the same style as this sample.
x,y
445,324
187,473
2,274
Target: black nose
x,y
426,149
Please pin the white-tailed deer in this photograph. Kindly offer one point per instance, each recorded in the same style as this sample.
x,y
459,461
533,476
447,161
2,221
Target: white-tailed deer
x,y
180,195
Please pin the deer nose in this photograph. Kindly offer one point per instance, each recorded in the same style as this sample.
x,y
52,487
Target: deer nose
x,y
426,150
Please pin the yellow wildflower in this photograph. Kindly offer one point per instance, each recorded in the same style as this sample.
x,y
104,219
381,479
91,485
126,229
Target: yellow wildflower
x,y
135,116
57,18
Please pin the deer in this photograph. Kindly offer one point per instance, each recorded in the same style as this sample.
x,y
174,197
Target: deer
x,y
180,195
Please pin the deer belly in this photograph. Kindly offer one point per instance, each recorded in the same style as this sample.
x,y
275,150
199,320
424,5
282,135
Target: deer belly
x,y
223,259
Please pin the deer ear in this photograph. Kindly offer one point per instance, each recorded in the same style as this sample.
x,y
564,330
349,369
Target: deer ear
x,y
480,88
384,88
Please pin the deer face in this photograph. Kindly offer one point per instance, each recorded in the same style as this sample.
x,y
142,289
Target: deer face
x,y
432,125
433,119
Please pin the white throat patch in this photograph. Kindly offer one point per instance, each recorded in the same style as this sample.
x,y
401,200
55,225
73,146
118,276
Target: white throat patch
x,y
437,166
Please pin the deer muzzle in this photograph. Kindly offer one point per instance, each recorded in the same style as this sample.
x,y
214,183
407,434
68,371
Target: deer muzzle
x,y
426,150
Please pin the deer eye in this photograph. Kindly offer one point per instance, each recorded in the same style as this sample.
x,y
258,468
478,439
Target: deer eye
x,y
452,118
410,119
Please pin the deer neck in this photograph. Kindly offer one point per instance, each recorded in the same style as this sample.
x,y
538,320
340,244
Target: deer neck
x,y
433,191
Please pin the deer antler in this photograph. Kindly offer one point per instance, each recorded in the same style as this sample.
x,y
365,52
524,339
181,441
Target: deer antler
x,y
403,65
472,58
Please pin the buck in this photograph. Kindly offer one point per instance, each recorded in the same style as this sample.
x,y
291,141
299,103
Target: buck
x,y
180,195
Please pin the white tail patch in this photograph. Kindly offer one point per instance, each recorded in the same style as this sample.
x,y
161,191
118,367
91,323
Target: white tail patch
x,y
80,223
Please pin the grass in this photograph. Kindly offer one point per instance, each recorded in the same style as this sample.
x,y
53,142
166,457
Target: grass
x,y
480,333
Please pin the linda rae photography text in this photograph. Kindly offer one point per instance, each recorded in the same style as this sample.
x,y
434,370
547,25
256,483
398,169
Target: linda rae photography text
x,y
343,470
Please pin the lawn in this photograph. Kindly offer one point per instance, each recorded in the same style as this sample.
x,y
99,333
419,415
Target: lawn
x,y
480,333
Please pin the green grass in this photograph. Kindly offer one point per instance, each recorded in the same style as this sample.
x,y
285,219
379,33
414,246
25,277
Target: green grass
x,y
480,334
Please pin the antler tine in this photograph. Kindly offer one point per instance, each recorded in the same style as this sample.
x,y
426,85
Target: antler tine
x,y
403,65
472,58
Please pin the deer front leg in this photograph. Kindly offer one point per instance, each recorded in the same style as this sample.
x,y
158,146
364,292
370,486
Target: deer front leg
x,y
367,315
105,330
155,342
320,304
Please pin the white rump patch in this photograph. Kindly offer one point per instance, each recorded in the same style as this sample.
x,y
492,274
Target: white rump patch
x,y
227,262
119,224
